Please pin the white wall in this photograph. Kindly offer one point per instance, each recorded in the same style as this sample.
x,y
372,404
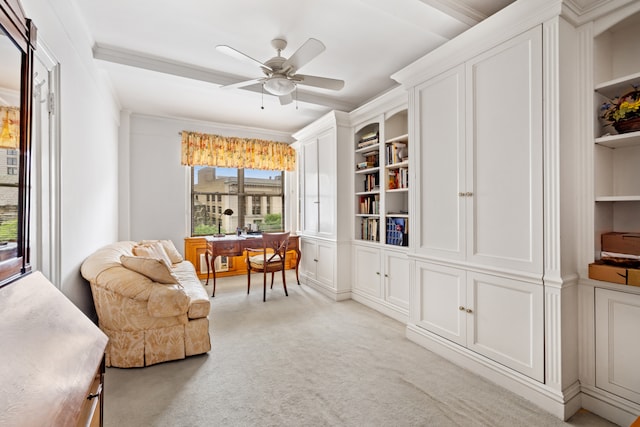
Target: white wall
x,y
89,144
159,187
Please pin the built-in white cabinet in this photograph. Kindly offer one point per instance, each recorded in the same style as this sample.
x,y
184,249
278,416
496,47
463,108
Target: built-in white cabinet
x,y
310,188
381,280
397,280
317,262
494,231
367,270
618,343
480,162
381,175
323,158
494,316
479,205
319,183
610,179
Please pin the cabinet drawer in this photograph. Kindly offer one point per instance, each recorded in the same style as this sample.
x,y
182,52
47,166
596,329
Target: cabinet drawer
x,y
90,411
228,248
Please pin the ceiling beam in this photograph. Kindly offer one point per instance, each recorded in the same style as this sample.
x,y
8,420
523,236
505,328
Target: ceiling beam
x,y
162,65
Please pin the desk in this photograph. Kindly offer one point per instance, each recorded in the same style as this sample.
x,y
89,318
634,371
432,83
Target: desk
x,y
235,246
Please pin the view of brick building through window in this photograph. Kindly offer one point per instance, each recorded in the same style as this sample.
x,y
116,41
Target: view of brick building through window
x,y
255,197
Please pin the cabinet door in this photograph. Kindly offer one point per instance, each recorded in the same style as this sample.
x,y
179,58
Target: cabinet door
x,y
368,276
506,322
504,155
310,198
326,264
618,343
441,294
441,168
309,259
326,179
397,279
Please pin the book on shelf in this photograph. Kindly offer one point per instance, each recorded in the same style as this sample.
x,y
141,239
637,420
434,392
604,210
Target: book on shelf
x,y
369,229
368,139
397,233
398,178
372,158
364,165
370,204
396,152
371,182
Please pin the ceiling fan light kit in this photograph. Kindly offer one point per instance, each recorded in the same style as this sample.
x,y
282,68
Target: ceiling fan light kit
x,y
280,73
279,85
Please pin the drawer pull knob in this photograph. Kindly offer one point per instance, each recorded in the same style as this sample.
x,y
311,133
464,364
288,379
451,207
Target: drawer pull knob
x,y
469,310
98,392
461,308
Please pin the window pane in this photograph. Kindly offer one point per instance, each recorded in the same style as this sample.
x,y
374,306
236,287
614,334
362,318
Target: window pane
x,y
255,197
265,206
263,182
8,201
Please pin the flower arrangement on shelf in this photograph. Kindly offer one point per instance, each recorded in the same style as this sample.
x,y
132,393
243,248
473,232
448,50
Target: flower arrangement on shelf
x,y
623,112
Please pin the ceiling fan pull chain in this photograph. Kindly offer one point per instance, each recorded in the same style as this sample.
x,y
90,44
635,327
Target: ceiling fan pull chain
x,y
296,97
262,91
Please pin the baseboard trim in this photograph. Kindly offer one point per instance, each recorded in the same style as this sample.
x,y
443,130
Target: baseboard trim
x,y
561,404
325,290
609,406
386,309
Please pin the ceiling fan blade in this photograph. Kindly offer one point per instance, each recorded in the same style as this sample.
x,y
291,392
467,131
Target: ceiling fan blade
x,y
227,50
242,84
321,82
305,53
286,99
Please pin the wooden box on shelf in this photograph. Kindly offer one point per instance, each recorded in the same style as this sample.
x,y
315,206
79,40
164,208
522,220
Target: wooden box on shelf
x,y
614,274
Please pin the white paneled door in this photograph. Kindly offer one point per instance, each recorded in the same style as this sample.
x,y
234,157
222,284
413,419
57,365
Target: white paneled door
x,y
618,343
504,155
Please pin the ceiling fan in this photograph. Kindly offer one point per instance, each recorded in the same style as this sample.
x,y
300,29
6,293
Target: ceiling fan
x,y
280,73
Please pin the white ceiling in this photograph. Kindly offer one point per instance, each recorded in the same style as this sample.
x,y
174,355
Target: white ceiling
x,y
161,59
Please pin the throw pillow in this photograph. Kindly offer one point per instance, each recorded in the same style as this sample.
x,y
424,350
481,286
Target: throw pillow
x,y
153,250
153,268
169,248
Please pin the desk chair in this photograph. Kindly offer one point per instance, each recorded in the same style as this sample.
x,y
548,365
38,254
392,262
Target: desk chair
x,y
269,259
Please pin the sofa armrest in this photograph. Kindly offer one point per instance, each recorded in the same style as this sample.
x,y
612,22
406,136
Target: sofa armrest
x,y
167,301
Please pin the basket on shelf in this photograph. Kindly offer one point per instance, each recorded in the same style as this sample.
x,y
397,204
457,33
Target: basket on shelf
x,y
629,125
623,113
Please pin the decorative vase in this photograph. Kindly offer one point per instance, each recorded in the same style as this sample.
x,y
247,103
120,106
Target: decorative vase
x,y
629,125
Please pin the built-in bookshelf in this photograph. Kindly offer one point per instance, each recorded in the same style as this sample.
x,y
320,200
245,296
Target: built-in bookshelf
x,y
396,189
367,182
616,151
382,180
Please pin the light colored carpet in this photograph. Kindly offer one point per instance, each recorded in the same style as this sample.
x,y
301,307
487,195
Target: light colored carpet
x,y
305,360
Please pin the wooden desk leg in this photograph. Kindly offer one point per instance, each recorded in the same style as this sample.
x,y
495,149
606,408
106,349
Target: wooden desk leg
x,y
299,255
206,260
213,269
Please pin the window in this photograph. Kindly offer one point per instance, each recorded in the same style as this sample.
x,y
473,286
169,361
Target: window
x,y
255,205
12,161
243,191
12,171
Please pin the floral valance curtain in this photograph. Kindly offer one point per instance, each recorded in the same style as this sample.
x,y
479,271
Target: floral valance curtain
x,y
10,127
200,149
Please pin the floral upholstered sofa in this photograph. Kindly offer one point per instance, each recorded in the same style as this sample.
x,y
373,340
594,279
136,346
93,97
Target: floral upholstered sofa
x,y
149,301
